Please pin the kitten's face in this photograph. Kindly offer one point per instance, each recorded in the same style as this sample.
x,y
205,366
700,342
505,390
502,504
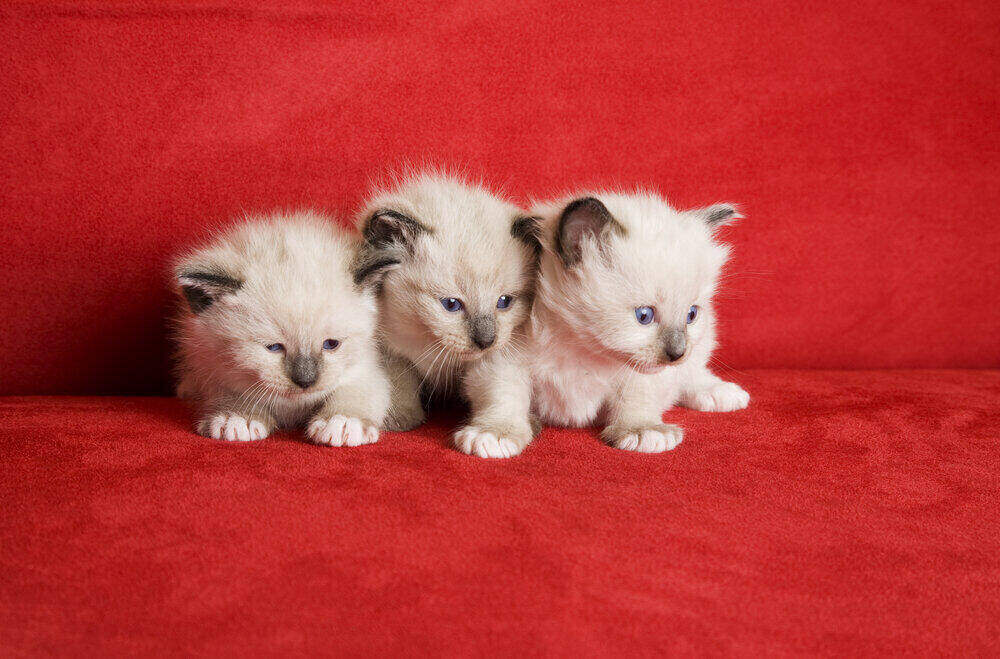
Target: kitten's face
x,y
634,279
455,302
276,311
297,347
463,270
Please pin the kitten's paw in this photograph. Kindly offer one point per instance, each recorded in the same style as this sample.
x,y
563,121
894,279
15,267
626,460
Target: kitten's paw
x,y
341,430
722,397
655,439
232,428
488,443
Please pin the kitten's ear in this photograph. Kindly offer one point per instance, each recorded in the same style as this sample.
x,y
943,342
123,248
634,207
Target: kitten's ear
x,y
388,227
372,263
718,215
388,241
528,229
581,220
202,287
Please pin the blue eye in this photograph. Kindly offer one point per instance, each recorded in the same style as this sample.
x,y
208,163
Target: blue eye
x,y
275,347
504,302
644,315
692,313
331,344
451,304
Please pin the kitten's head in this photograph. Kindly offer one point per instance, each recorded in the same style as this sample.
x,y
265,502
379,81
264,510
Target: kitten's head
x,y
272,305
456,267
633,278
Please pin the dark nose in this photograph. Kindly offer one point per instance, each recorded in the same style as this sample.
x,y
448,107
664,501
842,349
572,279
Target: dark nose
x,y
483,331
674,343
303,370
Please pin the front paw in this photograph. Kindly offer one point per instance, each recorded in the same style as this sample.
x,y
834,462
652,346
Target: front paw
x,y
339,430
232,427
654,439
721,397
491,442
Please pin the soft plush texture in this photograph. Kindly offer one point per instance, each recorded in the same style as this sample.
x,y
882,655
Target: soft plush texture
x,y
842,513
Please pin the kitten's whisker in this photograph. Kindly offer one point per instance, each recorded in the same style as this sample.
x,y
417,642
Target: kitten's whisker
x,y
245,394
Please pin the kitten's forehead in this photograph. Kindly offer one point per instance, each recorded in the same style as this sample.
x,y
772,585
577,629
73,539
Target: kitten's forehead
x,y
296,280
469,244
670,256
662,255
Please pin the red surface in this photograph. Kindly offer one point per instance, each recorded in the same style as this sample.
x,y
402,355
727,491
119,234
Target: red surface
x,y
842,513
859,137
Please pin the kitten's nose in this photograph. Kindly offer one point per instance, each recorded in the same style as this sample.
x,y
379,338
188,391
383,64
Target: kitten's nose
x,y
674,343
303,370
483,331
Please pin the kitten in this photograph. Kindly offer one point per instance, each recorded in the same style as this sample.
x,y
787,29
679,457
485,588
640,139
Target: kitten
x,y
622,325
276,334
458,267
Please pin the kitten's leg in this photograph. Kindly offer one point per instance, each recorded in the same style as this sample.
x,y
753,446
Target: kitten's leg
x,y
499,394
635,416
353,413
235,420
706,392
405,409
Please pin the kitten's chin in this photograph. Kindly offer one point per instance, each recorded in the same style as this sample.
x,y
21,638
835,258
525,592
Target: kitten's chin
x,y
299,397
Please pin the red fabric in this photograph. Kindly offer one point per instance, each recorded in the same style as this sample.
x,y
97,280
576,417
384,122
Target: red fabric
x,y
859,137
841,514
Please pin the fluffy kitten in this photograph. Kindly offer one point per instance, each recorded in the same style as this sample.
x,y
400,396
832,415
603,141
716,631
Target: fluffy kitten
x,y
276,333
622,325
458,266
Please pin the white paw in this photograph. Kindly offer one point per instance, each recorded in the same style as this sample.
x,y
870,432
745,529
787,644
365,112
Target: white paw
x,y
651,440
232,428
476,441
341,431
723,397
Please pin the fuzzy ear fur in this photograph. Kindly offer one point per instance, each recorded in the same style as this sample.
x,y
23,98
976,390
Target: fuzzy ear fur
x,y
528,229
719,215
386,227
388,237
373,263
202,287
583,219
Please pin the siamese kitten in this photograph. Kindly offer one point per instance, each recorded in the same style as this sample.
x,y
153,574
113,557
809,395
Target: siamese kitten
x,y
276,334
622,325
456,265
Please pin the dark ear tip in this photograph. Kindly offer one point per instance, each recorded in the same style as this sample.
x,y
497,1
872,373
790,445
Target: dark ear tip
x,y
385,226
528,229
721,215
576,204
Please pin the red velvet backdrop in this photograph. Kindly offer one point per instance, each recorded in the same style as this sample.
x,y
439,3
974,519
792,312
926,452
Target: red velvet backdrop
x,y
859,137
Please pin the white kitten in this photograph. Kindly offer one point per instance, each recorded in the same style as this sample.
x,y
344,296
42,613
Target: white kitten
x,y
276,333
622,325
458,265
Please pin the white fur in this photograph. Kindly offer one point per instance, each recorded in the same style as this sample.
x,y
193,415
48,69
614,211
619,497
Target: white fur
x,y
466,250
590,360
296,289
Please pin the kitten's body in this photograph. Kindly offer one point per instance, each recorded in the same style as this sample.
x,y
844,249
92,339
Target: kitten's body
x,y
445,240
591,361
282,280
